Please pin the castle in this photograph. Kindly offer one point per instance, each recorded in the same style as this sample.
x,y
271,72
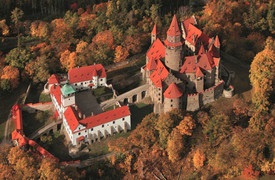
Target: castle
x,y
81,127
183,71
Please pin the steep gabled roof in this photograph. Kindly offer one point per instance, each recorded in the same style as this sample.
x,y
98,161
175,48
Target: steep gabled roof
x,y
56,92
86,73
155,78
201,50
191,20
199,72
204,61
174,29
71,118
154,31
19,138
156,51
172,91
105,117
152,64
195,35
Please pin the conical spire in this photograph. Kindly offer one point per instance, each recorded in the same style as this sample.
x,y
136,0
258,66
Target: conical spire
x,y
154,31
217,43
174,29
172,91
201,50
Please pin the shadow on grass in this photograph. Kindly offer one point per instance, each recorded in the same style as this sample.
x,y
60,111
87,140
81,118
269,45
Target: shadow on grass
x,y
138,112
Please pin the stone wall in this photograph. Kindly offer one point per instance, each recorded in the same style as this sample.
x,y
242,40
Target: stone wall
x,y
32,108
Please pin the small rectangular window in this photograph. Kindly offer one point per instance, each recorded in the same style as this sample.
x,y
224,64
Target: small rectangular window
x,y
114,122
79,133
102,125
123,119
92,129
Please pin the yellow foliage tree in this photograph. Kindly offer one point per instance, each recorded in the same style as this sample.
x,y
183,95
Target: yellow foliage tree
x,y
187,125
174,145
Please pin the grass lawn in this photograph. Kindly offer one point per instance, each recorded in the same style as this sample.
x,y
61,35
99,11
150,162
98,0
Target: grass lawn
x,y
34,121
7,101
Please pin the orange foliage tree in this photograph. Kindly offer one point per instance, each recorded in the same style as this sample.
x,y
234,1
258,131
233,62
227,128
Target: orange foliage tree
x,y
104,37
187,125
121,53
198,159
12,74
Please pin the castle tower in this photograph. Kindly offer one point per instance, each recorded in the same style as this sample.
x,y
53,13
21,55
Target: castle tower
x,y
154,34
217,43
199,80
173,51
68,95
172,98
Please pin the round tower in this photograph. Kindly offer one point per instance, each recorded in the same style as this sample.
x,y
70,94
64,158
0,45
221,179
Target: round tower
x,y
173,51
172,98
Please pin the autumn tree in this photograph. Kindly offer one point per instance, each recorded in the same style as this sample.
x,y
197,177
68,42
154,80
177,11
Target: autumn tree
x,y
262,75
121,53
165,124
3,26
12,74
49,170
40,29
18,57
187,125
145,134
174,145
16,16
198,159
218,128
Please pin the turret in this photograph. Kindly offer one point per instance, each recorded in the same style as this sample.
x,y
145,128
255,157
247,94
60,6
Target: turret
x,y
68,95
154,34
173,51
172,98
199,80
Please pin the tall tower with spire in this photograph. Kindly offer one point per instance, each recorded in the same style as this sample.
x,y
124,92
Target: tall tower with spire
x,y
154,34
173,51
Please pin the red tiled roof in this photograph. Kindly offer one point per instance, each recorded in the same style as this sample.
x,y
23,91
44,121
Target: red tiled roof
x,y
152,64
204,61
201,50
174,29
105,117
156,51
71,118
159,75
194,35
154,31
216,61
19,138
56,92
199,72
156,79
172,91
86,73
17,117
188,21
53,79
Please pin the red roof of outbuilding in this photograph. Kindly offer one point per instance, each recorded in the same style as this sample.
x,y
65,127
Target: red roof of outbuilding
x,y
53,79
17,117
71,118
105,117
188,21
156,51
174,29
86,73
56,92
172,91
19,138
154,31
